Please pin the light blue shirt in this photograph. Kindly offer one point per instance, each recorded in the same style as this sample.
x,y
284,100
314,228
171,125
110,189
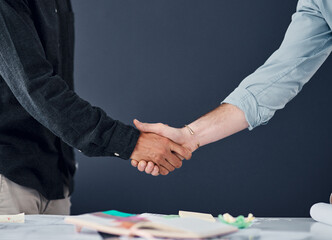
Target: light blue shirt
x,y
307,44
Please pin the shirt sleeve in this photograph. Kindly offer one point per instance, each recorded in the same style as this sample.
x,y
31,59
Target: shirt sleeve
x,y
46,96
307,44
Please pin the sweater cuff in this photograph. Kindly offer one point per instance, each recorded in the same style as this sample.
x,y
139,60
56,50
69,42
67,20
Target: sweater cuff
x,y
123,141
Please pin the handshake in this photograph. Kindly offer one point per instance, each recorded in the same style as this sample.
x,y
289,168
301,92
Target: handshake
x,y
160,149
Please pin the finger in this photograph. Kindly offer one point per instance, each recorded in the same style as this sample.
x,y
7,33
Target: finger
x,y
173,160
163,171
141,166
155,171
182,151
166,164
149,167
178,155
149,127
134,163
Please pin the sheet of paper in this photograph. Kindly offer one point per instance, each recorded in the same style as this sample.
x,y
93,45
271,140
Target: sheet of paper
x,y
202,216
18,218
159,215
197,226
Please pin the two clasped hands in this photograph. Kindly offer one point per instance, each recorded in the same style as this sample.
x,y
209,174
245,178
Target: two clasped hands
x,y
160,148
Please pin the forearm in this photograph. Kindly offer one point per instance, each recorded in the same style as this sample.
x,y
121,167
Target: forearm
x,y
222,122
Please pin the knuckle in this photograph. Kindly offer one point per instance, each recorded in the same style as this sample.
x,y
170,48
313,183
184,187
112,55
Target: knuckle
x,y
162,153
160,158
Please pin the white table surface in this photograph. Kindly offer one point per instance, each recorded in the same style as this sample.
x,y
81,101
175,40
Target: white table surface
x,y
48,227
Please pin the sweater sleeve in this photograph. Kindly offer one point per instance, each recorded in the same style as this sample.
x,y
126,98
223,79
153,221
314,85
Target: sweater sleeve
x,y
47,97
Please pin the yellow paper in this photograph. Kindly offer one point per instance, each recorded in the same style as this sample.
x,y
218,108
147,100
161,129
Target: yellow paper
x,y
202,216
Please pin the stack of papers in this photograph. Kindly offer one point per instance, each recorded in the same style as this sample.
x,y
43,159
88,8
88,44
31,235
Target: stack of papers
x,y
151,225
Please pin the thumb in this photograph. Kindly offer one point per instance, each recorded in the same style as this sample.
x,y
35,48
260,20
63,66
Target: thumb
x,y
143,127
148,127
139,125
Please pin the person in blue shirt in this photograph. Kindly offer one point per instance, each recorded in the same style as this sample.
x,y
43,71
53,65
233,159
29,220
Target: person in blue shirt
x,y
307,44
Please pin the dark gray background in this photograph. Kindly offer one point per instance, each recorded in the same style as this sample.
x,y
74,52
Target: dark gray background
x,y
172,61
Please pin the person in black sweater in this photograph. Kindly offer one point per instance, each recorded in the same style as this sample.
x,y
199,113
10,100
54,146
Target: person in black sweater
x,y
42,119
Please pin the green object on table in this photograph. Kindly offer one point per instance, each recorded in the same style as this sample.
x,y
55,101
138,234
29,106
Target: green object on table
x,y
171,216
240,222
118,214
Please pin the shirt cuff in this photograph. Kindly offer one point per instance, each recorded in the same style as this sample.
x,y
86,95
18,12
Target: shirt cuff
x,y
123,141
244,100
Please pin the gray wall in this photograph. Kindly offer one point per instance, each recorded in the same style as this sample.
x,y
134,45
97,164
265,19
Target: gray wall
x,y
172,61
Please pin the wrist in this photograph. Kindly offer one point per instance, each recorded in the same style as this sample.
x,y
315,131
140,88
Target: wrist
x,y
191,142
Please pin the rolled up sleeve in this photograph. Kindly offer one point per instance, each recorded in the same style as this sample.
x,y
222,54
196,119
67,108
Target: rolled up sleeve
x,y
307,44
